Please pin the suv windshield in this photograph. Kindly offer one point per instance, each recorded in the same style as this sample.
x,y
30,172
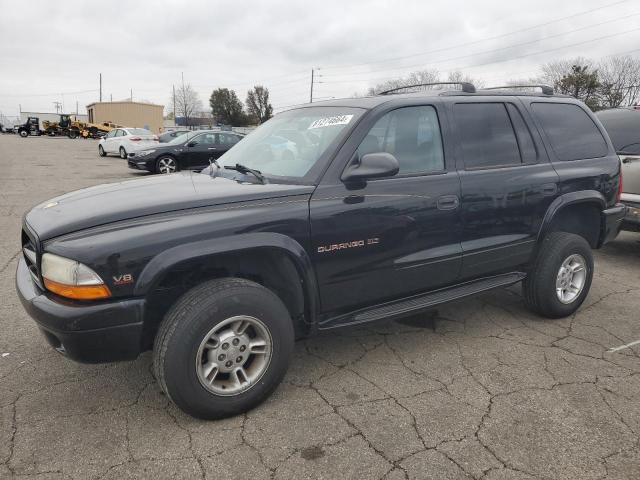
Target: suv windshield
x,y
292,143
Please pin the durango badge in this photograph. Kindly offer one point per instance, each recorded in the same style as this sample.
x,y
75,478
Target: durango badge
x,y
353,244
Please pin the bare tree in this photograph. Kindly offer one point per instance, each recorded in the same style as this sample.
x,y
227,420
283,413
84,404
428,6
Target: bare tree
x,y
187,103
414,78
619,81
553,72
577,77
258,106
460,77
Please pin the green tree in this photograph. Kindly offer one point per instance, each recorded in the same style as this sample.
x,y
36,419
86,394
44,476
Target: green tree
x,y
258,106
226,107
582,83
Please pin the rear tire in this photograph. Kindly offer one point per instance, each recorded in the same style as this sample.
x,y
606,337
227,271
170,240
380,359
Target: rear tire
x,y
561,276
198,353
123,153
24,133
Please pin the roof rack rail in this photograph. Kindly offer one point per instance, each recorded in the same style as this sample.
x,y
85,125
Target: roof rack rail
x,y
465,87
546,89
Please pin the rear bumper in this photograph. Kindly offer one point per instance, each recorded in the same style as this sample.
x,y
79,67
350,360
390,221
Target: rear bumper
x,y
85,332
632,217
613,218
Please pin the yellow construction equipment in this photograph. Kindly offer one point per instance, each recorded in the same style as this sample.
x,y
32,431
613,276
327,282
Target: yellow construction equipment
x,y
70,126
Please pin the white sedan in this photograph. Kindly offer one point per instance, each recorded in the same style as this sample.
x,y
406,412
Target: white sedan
x,y
124,141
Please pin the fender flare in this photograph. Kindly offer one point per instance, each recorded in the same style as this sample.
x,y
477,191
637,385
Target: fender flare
x,y
567,199
155,269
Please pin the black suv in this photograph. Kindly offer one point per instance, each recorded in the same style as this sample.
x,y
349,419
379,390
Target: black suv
x,y
332,214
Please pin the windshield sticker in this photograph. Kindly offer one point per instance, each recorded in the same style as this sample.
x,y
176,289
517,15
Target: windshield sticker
x,y
330,121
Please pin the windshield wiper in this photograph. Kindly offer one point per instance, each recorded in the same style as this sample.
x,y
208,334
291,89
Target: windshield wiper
x,y
244,169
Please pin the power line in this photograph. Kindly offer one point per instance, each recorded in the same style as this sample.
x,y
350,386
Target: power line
x,y
465,44
47,94
510,58
493,50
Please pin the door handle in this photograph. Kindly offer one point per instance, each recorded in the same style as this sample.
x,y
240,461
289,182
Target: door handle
x,y
448,202
549,189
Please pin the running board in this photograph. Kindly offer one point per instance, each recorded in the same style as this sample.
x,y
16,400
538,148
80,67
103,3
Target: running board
x,y
423,301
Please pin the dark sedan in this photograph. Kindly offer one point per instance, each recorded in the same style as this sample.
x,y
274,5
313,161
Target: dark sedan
x,y
187,152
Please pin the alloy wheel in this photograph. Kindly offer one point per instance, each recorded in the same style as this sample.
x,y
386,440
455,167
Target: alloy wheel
x,y
167,165
234,355
571,278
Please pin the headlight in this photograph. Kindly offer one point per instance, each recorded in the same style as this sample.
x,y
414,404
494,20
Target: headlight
x,y
144,153
72,279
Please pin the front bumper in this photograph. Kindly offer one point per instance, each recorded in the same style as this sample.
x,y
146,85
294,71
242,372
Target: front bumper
x,y
86,332
613,218
140,163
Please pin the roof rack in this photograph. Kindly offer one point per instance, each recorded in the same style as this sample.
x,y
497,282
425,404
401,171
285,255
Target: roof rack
x,y
465,87
546,89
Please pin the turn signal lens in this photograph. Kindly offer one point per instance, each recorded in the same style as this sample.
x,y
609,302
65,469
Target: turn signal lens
x,y
72,279
91,292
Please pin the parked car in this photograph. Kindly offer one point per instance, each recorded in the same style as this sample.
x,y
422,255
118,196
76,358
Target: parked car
x,y
192,151
623,126
168,136
126,140
391,205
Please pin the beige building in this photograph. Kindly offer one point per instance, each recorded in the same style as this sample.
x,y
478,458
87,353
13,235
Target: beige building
x,y
127,114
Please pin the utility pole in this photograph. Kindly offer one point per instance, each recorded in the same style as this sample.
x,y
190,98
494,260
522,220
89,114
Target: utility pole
x,y
174,104
111,97
76,107
101,87
131,95
311,95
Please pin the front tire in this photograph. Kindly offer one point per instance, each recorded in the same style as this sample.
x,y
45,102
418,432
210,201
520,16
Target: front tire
x,y
223,348
123,153
166,165
561,276
101,151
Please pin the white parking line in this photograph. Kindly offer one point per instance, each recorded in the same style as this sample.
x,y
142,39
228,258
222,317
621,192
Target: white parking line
x,y
622,347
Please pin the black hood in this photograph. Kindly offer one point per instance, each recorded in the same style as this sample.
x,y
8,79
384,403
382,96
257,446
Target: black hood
x,y
113,202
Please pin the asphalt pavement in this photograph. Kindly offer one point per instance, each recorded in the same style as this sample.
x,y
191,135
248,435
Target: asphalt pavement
x,y
477,389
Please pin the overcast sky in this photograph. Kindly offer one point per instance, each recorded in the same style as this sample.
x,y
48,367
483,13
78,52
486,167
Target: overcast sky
x,y
54,51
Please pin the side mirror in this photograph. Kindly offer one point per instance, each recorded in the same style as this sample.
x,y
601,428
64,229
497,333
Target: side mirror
x,y
192,144
372,165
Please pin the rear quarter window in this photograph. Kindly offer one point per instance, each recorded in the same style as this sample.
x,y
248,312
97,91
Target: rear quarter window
x,y
571,132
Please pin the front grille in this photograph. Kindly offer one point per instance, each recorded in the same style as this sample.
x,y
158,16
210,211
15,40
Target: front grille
x,y
30,253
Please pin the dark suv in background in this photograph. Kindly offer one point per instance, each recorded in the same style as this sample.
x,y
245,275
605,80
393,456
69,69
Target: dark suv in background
x,y
332,214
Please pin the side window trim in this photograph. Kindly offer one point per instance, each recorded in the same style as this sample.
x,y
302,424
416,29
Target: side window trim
x,y
527,131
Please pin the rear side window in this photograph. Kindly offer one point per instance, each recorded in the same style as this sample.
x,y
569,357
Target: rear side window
x,y
570,130
488,139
